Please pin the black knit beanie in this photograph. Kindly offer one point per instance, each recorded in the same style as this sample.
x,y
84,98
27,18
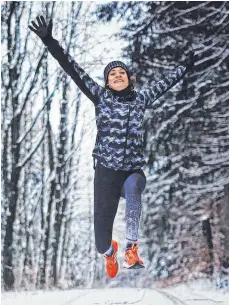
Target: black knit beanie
x,y
112,65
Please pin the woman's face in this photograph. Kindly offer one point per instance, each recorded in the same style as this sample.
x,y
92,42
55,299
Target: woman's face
x,y
118,79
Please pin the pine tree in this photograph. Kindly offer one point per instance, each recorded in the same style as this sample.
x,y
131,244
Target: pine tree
x,y
186,132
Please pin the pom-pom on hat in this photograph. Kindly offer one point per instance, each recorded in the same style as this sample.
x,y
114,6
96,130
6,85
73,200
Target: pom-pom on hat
x,y
112,65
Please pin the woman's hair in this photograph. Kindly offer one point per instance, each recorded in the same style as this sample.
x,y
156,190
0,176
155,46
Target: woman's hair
x,y
132,82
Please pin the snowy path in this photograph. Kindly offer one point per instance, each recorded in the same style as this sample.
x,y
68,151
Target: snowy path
x,y
180,295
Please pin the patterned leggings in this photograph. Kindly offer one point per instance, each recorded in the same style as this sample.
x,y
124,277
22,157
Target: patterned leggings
x,y
109,186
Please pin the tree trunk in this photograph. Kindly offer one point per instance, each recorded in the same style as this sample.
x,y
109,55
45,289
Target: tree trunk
x,y
226,219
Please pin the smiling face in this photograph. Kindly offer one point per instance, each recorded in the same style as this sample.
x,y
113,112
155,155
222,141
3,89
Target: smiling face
x,y
118,79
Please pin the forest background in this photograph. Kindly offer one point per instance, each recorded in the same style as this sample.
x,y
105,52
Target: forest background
x,y
48,133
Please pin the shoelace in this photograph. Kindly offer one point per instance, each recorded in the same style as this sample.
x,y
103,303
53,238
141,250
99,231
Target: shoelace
x,y
111,260
132,252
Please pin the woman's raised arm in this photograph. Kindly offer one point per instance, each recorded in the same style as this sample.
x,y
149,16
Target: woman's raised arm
x,y
167,82
86,84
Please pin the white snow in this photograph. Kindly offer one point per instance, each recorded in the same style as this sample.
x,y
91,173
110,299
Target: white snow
x,y
195,293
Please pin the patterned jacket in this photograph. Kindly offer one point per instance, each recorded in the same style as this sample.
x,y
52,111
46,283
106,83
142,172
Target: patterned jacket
x,y
119,120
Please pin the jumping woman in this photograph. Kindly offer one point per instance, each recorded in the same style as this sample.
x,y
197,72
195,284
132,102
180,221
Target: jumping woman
x,y
118,152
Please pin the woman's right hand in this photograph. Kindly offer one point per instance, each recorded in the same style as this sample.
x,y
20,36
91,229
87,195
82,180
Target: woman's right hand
x,y
42,29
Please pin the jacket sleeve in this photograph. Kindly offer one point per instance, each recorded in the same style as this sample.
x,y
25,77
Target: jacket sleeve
x,y
161,87
86,84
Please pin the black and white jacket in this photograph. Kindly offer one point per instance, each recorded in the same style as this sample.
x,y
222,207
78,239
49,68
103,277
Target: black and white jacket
x,y
119,117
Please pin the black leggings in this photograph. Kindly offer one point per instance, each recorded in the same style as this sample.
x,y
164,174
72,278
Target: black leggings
x,y
109,186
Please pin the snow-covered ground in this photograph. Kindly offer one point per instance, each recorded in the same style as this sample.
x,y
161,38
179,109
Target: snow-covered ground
x,y
200,293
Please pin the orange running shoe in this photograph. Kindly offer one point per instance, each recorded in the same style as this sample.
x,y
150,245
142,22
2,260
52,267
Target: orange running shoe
x,y
112,262
132,260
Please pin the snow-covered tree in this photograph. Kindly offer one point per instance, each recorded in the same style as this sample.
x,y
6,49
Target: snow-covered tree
x,y
43,125
186,133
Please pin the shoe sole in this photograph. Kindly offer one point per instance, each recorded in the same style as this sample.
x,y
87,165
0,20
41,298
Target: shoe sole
x,y
135,266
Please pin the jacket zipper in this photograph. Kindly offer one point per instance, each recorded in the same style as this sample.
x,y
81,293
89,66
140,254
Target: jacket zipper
x,y
127,130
